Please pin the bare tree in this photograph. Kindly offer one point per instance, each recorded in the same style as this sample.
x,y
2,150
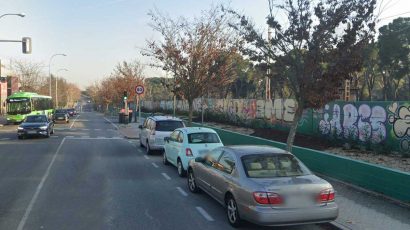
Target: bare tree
x,y
198,53
316,47
30,75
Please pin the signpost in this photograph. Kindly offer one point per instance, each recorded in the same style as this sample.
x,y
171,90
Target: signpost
x,y
139,89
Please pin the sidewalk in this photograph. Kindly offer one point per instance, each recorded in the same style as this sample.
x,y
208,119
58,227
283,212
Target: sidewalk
x,y
129,131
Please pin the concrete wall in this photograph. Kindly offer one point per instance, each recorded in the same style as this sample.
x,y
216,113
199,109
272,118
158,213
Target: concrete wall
x,y
377,125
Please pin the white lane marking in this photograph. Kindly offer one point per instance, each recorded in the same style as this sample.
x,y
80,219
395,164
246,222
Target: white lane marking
x,y
146,157
115,126
55,136
155,165
85,136
97,129
85,129
182,191
5,139
69,136
94,138
166,176
74,121
204,214
100,137
38,189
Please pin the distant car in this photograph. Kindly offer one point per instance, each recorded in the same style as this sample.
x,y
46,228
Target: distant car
x,y
263,185
61,115
71,112
35,125
185,144
155,128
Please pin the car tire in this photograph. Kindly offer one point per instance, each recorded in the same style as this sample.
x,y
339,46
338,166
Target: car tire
x,y
20,137
192,186
181,170
148,149
232,212
141,145
48,134
164,159
52,131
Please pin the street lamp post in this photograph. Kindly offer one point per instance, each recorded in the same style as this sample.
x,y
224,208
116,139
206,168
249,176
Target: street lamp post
x,y
49,69
57,85
20,15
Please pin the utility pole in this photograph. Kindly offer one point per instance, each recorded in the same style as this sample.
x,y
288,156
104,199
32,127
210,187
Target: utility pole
x,y
268,72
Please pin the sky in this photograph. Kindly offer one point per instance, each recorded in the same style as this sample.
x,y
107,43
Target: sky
x,y
97,34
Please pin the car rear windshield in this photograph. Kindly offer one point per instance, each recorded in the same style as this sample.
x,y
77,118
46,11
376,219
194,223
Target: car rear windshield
x,y
61,111
203,138
168,126
273,165
36,119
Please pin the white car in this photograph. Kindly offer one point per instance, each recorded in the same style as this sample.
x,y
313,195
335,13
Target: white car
x,y
155,128
185,144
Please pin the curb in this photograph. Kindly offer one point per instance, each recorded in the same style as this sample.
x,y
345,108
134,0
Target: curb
x,y
339,226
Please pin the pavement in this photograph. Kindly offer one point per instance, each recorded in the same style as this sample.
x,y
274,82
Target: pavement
x,y
3,120
89,175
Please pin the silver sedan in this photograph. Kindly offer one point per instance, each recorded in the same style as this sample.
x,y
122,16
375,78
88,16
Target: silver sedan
x,y
264,185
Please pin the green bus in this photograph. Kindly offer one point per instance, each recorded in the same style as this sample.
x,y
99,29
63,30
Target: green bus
x,y
21,104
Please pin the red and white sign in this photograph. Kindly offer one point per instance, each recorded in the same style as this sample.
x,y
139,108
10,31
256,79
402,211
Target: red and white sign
x,y
139,89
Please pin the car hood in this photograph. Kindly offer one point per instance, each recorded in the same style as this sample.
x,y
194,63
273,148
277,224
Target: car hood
x,y
32,125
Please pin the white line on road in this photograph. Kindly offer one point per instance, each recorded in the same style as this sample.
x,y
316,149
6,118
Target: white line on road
x,y
4,139
97,129
85,129
85,137
74,121
166,176
55,136
69,136
94,138
204,214
182,191
39,187
155,165
146,157
115,126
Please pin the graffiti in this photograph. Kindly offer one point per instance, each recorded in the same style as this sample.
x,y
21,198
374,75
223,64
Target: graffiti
x,y
363,123
400,120
383,124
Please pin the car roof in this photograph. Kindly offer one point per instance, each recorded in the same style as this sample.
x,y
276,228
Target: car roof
x,y
164,118
189,130
37,115
242,150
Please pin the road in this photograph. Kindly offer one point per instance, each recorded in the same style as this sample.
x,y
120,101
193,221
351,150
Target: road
x,y
87,176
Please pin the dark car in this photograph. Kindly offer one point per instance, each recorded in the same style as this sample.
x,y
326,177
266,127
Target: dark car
x,y
35,125
71,112
61,115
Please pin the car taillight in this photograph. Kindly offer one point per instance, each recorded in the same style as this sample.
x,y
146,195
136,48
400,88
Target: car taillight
x,y
327,195
267,198
188,152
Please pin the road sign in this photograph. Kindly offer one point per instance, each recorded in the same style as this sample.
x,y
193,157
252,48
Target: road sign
x,y
139,89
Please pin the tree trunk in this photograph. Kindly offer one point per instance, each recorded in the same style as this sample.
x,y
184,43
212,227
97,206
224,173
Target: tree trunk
x,y
190,109
293,127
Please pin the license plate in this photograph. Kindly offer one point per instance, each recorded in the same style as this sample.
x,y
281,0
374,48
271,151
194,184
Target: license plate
x,y
60,118
299,201
32,132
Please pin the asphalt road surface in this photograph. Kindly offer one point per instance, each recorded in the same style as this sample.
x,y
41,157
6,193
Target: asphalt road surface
x,y
86,176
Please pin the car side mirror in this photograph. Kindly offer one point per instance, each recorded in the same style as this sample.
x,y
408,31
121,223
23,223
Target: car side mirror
x,y
166,139
140,126
200,159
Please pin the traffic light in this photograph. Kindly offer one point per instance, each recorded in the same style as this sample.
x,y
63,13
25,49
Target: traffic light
x,y
125,95
26,45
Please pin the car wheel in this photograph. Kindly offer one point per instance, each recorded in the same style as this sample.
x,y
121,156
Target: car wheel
x,y
20,137
192,182
164,159
141,145
148,149
181,170
52,131
232,212
48,134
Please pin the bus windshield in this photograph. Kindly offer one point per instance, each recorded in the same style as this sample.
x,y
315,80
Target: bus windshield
x,y
18,106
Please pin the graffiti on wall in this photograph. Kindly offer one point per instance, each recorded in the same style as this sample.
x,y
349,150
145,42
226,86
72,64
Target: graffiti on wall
x,y
363,122
399,118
